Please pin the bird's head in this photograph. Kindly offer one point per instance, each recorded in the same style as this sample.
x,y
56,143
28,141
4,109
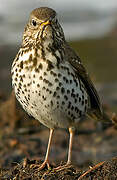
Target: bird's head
x,y
43,26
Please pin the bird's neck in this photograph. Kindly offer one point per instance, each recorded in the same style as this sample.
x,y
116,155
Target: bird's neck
x,y
46,50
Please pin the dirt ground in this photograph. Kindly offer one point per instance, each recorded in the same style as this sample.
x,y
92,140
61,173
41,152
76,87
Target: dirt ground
x,y
23,143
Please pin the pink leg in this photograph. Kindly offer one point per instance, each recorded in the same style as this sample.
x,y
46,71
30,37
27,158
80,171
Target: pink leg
x,y
47,152
71,131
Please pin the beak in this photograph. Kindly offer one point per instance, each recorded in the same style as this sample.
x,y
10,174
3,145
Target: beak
x,y
46,23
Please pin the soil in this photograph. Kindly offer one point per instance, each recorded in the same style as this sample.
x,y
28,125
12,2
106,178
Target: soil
x,y
23,142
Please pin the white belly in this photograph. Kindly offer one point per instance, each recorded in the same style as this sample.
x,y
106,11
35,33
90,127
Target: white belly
x,y
52,97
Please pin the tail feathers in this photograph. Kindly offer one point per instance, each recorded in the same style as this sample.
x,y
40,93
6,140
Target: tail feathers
x,y
103,117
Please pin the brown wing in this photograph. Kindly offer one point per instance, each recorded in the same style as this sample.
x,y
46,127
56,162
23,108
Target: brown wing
x,y
76,63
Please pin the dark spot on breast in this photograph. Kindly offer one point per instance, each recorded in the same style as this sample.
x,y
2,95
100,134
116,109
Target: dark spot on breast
x,y
73,95
26,98
50,92
76,84
80,113
72,90
30,57
34,62
79,99
57,88
60,84
59,75
57,102
72,108
21,64
53,73
15,79
38,85
82,102
76,109
58,97
44,73
43,88
86,101
21,79
40,66
63,102
44,98
69,104
56,80
40,77
47,90
66,98
45,80
51,103
64,78
54,94
50,65
36,70
20,84
68,112
25,90
62,90
50,84
68,91
29,84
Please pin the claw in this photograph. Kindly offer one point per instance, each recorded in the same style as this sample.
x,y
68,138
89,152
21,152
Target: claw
x,y
42,166
62,167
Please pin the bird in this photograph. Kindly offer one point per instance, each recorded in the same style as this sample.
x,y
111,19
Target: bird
x,y
50,80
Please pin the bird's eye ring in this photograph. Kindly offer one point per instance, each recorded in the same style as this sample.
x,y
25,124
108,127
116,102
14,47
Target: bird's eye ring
x,y
34,23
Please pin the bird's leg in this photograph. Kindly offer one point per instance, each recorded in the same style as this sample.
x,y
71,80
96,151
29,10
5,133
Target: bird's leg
x,y
47,152
71,131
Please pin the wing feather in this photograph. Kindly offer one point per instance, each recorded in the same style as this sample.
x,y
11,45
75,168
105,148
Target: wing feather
x,y
77,65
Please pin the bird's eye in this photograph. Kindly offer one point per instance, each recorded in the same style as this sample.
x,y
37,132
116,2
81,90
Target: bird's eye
x,y
34,23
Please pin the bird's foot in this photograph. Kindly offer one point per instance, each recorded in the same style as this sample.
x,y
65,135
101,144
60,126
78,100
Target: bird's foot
x,y
91,169
42,166
62,167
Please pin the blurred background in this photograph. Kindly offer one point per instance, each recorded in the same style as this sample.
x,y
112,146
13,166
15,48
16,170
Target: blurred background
x,y
89,25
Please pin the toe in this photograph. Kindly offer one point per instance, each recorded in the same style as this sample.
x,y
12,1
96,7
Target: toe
x,y
62,167
44,164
